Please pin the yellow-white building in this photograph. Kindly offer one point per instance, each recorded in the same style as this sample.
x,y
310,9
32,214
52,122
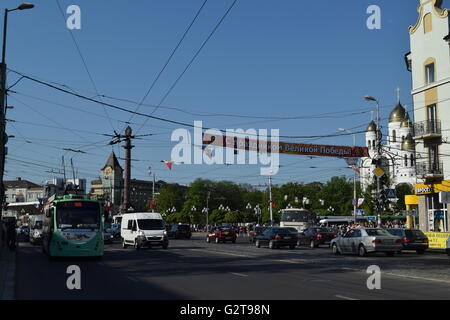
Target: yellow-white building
x,y
429,63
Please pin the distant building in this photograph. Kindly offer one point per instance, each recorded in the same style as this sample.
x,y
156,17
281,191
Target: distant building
x,y
397,154
110,187
60,185
22,191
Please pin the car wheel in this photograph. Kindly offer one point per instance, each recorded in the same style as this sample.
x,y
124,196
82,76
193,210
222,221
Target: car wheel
x,y
336,249
421,251
362,251
292,247
390,254
124,244
234,241
136,245
312,244
217,240
271,245
257,244
165,246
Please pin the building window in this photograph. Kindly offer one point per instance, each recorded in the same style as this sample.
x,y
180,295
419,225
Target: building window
x,y
427,23
406,160
412,160
430,73
394,136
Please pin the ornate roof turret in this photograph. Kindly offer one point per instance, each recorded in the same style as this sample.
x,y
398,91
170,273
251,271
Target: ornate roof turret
x,y
113,163
372,127
408,144
398,114
407,123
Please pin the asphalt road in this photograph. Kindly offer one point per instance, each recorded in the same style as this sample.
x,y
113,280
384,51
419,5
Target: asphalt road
x,y
195,270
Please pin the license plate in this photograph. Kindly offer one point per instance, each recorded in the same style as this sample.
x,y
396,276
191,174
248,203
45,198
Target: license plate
x,y
287,237
225,233
388,241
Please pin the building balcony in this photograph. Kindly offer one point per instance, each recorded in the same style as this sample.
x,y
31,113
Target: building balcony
x,y
427,130
430,170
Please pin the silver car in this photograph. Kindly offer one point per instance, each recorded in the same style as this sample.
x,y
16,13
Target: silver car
x,y
362,241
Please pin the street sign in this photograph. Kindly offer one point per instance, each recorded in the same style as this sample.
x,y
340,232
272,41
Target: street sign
x,y
444,197
390,194
372,218
379,172
360,212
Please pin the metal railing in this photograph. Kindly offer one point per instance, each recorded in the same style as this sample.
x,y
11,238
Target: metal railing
x,y
427,128
429,169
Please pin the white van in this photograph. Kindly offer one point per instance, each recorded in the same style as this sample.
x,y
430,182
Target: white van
x,y
143,230
36,225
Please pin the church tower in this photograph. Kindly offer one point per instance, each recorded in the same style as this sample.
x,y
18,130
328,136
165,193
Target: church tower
x,y
112,180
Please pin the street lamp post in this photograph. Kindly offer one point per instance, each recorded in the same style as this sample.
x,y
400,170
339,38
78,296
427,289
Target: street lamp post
x,y
354,175
378,149
193,209
23,6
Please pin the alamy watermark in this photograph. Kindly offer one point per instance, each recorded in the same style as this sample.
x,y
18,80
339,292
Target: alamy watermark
x,y
374,281
74,280
374,20
73,22
234,146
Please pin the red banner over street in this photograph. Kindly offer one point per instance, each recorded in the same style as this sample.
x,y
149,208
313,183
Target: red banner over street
x,y
285,147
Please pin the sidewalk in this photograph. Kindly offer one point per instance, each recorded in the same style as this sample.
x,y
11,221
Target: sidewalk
x,y
7,274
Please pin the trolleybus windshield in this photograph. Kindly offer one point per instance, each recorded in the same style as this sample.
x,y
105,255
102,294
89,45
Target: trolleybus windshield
x,y
78,215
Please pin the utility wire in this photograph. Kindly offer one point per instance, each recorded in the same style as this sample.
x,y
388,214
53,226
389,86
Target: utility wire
x,y
192,61
170,58
84,61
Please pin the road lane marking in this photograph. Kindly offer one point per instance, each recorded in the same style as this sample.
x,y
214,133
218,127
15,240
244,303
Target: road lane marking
x,y
132,279
288,261
239,274
416,278
222,252
344,297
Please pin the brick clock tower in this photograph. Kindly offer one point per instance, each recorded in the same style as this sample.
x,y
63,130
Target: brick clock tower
x,y
112,181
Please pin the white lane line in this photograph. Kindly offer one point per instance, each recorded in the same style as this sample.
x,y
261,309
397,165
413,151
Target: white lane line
x,y
415,278
288,261
239,274
222,252
344,297
132,279
350,269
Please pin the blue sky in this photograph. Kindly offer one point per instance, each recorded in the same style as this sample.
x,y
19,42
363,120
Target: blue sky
x,y
269,58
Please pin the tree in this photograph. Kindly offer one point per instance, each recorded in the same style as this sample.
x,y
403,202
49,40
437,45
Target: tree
x,y
401,191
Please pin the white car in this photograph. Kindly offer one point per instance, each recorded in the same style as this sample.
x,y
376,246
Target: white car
x,y
143,230
362,241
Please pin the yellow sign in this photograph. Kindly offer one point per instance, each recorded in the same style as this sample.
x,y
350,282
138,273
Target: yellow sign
x,y
437,240
412,200
378,172
422,188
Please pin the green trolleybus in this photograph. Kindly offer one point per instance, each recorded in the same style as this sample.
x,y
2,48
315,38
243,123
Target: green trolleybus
x,y
73,227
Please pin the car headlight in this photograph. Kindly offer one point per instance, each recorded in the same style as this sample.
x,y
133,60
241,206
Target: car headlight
x,y
141,233
165,232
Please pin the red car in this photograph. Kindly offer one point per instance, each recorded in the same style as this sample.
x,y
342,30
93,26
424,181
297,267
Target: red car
x,y
221,234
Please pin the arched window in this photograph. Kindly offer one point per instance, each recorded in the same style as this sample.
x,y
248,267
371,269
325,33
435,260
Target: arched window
x,y
394,136
412,160
427,23
406,160
368,144
373,144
